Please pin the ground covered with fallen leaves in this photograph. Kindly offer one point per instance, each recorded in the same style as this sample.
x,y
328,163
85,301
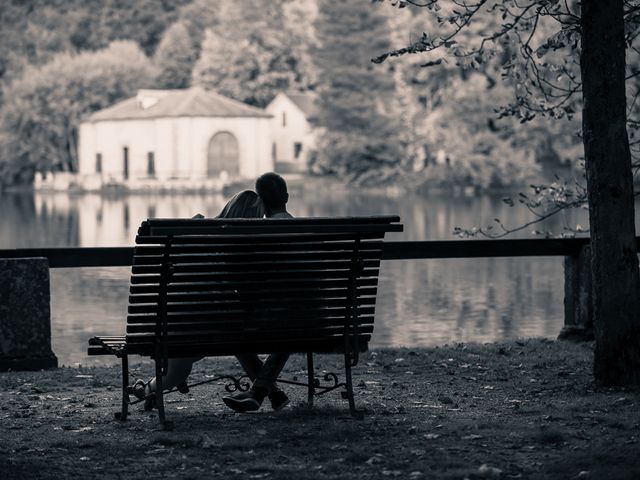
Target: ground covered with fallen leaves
x,y
526,409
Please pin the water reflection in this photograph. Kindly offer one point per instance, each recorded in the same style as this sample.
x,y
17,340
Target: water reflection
x,y
420,302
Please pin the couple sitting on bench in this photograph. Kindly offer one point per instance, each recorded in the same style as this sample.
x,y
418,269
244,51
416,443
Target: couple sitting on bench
x,y
270,201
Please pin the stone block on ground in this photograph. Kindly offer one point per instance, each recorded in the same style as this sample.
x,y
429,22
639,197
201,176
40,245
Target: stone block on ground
x,y
25,315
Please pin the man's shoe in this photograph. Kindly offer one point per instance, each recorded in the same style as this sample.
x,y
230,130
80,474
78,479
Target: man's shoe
x,y
246,401
278,400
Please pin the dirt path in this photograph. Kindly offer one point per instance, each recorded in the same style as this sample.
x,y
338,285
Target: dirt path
x,y
519,410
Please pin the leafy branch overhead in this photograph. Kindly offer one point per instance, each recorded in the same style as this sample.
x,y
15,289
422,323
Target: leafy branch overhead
x,y
535,45
543,202
532,46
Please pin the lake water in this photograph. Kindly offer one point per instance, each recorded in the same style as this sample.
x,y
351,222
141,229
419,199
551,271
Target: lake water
x,y
420,302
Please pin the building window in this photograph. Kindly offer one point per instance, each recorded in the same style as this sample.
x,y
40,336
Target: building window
x,y
98,163
274,152
284,119
125,163
151,165
297,149
151,212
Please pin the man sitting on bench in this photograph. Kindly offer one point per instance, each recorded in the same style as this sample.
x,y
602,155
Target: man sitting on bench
x,y
272,189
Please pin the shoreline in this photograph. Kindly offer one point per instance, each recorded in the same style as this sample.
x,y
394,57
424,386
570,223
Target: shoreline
x,y
522,409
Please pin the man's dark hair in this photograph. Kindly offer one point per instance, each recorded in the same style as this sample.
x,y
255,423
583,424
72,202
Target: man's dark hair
x,y
272,190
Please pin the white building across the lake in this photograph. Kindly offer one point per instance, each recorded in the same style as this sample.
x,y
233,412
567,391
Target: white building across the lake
x,y
292,135
188,139
183,139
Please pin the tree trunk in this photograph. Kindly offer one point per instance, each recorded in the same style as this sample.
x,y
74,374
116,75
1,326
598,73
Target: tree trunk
x,y
614,261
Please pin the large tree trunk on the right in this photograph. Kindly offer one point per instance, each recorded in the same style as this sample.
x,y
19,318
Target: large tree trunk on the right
x,y
616,283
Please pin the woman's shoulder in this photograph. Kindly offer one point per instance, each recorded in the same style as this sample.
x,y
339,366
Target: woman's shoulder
x,y
284,214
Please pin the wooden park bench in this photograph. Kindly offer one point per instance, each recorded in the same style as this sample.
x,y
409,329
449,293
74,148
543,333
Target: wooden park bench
x,y
218,287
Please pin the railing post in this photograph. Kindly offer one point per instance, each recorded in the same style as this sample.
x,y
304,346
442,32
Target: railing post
x,y
578,308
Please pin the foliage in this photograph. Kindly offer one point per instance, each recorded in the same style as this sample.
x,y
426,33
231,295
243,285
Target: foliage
x,y
360,138
200,15
450,110
43,108
33,31
484,152
252,52
530,51
175,57
143,21
543,202
533,46
255,49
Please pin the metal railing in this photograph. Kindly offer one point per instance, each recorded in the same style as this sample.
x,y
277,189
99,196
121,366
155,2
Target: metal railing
x,y
71,257
578,313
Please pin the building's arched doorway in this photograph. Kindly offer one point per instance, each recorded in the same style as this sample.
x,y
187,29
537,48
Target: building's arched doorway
x,y
223,155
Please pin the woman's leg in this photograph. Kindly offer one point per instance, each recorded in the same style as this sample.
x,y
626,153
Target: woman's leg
x,y
178,371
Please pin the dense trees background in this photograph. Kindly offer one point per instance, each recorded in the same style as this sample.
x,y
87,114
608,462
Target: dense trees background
x,y
256,51
401,124
43,108
361,138
175,56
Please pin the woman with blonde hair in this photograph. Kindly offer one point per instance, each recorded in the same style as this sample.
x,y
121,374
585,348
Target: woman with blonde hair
x,y
246,204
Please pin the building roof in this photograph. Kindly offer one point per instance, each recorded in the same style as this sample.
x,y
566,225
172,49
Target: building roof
x,y
190,102
304,101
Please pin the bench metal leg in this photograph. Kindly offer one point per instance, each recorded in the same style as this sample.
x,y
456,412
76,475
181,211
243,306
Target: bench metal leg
x,y
122,415
311,381
159,397
349,385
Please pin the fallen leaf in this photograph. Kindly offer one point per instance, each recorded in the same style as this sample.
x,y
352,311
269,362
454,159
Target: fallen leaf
x,y
392,473
207,442
377,458
485,471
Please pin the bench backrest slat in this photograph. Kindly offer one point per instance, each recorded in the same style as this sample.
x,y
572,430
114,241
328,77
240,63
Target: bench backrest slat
x,y
228,238
266,294
251,285
319,221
